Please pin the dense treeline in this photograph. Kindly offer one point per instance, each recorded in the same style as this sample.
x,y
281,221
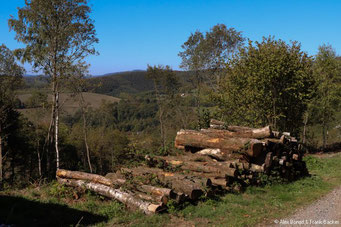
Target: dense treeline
x,y
252,84
132,82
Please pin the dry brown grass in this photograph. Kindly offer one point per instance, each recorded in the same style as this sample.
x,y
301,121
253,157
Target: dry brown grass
x,y
69,104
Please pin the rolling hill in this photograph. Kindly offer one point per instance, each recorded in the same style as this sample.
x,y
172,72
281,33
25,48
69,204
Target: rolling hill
x,y
114,84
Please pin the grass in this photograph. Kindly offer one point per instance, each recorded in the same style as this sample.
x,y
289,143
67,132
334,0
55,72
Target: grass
x,y
255,206
70,105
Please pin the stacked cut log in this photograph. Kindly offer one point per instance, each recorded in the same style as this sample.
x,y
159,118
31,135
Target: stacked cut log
x,y
252,153
218,159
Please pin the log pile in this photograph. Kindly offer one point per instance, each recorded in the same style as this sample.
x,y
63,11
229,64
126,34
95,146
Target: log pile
x,y
218,159
255,154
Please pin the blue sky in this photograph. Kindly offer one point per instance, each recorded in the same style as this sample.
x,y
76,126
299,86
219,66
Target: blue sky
x,y
134,33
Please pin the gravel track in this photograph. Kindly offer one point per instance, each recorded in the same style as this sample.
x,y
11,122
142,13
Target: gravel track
x,y
324,212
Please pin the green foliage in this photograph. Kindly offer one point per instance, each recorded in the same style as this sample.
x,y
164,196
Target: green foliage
x,y
59,190
327,102
166,87
125,84
210,51
206,56
57,34
37,99
112,210
268,82
273,177
133,114
10,79
204,120
316,163
108,147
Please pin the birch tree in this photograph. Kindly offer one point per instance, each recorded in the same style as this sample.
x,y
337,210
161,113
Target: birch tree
x,y
58,35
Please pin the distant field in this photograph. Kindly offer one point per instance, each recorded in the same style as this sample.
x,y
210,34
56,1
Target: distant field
x,y
70,104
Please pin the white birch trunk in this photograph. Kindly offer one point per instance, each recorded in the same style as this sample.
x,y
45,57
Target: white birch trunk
x,y
123,197
57,130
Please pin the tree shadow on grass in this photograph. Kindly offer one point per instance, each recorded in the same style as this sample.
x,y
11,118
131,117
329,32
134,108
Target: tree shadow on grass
x,y
22,212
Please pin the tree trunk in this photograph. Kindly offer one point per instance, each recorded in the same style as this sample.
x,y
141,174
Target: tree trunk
x,y
62,173
162,129
152,190
50,133
324,134
219,182
216,140
123,197
158,191
163,200
305,128
217,124
86,144
1,177
197,74
258,133
115,178
214,168
39,159
218,155
57,130
189,185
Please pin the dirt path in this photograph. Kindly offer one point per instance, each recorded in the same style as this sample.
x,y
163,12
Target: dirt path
x,y
324,212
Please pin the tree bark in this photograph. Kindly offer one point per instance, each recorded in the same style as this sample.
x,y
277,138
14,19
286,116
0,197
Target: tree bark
x,y
215,124
50,133
198,103
216,140
324,142
216,169
152,198
39,159
57,130
219,182
62,173
191,138
1,176
123,197
189,185
158,191
305,128
115,178
259,133
221,156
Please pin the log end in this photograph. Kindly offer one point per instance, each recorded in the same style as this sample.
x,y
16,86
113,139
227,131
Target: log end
x,y
61,173
156,208
195,194
256,148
